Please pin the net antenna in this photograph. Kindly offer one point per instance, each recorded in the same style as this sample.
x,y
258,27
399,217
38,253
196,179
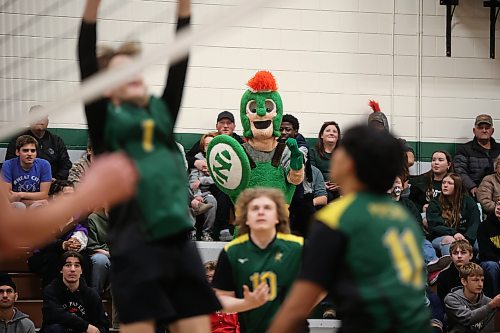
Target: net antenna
x,y
108,79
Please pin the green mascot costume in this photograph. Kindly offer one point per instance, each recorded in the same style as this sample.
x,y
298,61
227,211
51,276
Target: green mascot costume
x,y
262,161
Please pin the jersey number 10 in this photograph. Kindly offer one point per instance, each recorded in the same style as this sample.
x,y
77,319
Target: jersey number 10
x,y
406,256
266,277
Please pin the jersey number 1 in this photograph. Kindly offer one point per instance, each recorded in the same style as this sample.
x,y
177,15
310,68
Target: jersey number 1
x,y
266,277
148,127
405,255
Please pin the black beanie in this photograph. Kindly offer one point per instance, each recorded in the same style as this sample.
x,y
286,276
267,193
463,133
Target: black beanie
x,y
6,280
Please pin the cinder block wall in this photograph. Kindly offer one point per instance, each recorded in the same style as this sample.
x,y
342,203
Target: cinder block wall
x,y
329,58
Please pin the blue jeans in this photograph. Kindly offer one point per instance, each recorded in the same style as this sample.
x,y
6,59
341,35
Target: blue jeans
x,y
429,252
443,248
100,271
492,277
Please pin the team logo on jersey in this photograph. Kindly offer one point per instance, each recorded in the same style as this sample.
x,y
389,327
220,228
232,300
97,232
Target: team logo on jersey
x,y
278,256
242,260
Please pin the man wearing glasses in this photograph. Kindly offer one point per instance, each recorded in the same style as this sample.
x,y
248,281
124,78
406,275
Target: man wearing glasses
x,y
27,177
11,319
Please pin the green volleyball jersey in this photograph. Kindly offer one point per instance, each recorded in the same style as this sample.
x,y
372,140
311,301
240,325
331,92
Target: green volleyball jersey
x,y
243,263
366,249
146,135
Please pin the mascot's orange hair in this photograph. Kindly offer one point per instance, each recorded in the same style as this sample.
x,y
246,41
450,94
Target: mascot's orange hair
x,y
263,81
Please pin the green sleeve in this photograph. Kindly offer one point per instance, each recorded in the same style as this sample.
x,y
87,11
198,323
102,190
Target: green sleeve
x,y
437,225
93,243
471,213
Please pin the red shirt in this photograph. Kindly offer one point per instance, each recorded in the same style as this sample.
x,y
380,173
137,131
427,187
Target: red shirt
x,y
224,322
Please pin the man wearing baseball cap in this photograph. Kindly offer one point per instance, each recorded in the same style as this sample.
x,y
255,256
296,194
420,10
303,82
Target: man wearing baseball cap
x,y
474,160
224,125
12,320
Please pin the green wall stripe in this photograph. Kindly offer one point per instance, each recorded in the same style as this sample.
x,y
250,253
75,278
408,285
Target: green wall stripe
x,y
76,139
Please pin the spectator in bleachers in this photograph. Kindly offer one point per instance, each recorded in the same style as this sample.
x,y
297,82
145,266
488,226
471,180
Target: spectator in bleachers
x,y
302,205
225,125
427,186
434,264
488,239
201,183
27,177
467,308
489,189
69,305
320,196
378,120
461,254
50,146
220,321
79,168
452,216
112,179
99,249
329,137
73,237
12,320
474,160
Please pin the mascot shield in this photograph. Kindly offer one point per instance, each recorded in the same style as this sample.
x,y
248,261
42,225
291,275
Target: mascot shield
x,y
228,165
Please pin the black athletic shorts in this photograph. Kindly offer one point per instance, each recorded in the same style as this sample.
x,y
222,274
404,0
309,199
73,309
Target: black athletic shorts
x,y
161,280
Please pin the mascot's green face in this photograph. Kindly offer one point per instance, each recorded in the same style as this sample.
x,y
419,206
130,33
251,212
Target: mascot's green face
x,y
261,114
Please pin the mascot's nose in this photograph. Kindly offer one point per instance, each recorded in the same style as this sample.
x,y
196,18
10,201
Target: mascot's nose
x,y
261,111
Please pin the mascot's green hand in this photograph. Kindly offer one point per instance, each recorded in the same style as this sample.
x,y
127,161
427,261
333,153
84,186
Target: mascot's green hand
x,y
296,159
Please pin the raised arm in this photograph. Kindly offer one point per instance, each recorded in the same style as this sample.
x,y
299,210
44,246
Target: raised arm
x,y
176,76
111,179
95,111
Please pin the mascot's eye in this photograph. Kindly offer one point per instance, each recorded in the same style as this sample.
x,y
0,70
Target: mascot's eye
x,y
252,106
270,105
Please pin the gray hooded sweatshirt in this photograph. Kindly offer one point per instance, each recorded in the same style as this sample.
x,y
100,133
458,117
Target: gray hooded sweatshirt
x,y
19,324
465,317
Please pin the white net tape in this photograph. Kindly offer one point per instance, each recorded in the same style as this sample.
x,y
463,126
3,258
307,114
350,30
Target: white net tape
x,y
94,86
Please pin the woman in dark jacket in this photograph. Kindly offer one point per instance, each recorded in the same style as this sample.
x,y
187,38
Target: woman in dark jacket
x,y
452,216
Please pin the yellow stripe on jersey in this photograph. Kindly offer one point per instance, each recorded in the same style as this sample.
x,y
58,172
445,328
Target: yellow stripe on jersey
x,y
240,240
331,214
290,238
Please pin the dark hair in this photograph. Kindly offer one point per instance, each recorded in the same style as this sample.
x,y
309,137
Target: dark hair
x,y
452,205
430,174
58,185
6,280
25,140
71,254
320,147
376,155
288,118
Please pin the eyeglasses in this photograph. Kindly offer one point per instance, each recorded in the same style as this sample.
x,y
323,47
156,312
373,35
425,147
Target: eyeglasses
x,y
26,150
